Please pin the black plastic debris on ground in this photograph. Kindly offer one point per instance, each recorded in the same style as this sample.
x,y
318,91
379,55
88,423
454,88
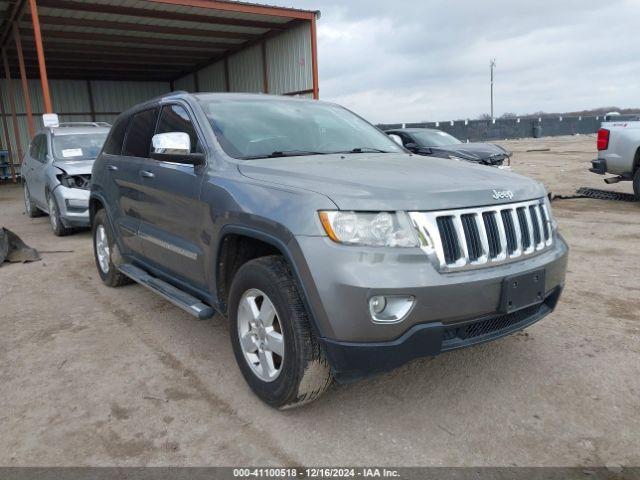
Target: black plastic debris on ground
x,y
14,250
605,194
586,192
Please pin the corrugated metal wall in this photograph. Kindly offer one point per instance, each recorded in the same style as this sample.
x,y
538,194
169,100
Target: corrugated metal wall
x,y
71,100
211,78
186,83
245,70
289,64
289,67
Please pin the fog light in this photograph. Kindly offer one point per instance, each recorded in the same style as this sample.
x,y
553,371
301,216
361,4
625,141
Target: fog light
x,y
378,304
390,308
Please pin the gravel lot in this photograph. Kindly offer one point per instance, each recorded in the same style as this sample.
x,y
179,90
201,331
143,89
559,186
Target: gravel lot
x,y
96,376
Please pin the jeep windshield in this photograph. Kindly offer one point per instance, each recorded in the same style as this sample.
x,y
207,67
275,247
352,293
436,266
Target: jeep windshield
x,y
256,128
80,146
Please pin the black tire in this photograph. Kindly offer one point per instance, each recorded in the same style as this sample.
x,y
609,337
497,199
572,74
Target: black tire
x,y
636,184
112,277
54,218
29,208
304,371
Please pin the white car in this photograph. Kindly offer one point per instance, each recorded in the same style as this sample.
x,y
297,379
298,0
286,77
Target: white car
x,y
56,171
619,151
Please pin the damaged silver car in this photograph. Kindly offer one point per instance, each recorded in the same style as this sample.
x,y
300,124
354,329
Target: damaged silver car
x,y
56,171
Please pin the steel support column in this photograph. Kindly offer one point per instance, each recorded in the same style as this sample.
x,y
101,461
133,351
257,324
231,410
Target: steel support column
x,y
5,129
92,107
314,57
12,104
265,70
37,35
24,81
227,83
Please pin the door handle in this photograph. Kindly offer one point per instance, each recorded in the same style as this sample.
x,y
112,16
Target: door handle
x,y
113,168
147,174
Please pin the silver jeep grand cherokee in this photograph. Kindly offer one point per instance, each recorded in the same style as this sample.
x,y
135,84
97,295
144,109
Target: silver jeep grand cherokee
x,y
56,171
333,252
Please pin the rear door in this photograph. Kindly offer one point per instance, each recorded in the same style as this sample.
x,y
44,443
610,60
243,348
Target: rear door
x,y
172,220
125,168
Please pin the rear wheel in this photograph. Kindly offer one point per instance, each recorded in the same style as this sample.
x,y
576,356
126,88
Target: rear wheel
x,y
54,218
277,352
103,249
30,209
636,184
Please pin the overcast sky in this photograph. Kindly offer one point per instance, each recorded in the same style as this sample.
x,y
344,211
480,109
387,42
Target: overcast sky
x,y
414,60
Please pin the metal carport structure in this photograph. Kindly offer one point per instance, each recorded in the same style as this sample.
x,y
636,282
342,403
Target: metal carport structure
x,y
87,60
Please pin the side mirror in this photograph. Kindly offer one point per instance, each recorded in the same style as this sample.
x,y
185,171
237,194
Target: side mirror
x,y
413,147
396,138
174,147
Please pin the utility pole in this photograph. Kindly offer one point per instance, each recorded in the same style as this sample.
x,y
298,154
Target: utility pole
x,y
492,65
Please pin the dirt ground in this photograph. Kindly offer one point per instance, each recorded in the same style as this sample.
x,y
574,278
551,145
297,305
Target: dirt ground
x,y
96,376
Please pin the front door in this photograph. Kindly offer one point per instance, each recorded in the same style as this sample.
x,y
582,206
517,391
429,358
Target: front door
x,y
171,227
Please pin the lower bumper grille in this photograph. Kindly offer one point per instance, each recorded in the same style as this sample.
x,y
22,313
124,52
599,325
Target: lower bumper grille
x,y
496,325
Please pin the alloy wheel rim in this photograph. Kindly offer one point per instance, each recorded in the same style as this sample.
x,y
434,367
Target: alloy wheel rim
x,y
260,335
53,213
102,248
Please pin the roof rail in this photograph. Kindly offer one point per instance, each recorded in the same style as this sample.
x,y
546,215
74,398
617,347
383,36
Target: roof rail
x,y
84,124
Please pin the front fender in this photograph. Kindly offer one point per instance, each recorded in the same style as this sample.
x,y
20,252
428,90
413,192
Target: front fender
x,y
291,251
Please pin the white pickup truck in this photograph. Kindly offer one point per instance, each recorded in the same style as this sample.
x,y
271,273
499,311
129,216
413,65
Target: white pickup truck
x,y
619,151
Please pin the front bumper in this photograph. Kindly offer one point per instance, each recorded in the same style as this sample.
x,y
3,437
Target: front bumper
x,y
339,281
73,204
352,361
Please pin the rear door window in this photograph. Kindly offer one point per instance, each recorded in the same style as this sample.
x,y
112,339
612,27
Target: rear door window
x,y
138,138
113,145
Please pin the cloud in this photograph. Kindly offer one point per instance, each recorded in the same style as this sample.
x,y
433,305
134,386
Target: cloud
x,y
425,60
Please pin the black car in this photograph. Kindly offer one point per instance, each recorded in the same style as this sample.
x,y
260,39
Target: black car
x,y
436,143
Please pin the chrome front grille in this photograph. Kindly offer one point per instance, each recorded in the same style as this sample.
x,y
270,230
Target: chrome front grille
x,y
486,236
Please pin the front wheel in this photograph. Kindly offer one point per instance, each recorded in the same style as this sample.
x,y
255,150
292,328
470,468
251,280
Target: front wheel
x,y
636,184
54,217
274,346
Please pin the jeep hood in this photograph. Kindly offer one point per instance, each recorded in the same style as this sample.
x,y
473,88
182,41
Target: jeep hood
x,y
394,181
75,167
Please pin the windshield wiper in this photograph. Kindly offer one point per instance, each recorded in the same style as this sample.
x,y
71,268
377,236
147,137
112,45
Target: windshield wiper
x,y
283,153
365,150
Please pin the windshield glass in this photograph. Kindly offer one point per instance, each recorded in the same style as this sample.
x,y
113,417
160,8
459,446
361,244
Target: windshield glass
x,y
255,128
435,138
81,146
